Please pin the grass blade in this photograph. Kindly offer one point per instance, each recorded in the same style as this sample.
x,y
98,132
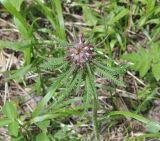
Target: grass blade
x,y
48,96
137,117
60,19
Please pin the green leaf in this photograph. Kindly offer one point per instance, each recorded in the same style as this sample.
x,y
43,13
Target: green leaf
x,y
146,96
46,11
20,22
64,104
144,136
155,52
4,122
151,129
133,57
60,18
142,61
19,74
149,11
121,69
23,30
17,46
109,77
145,63
53,63
13,128
50,93
120,40
156,71
42,137
91,88
9,110
46,98
137,117
43,118
88,16
120,15
60,134
59,113
69,88
150,6
43,125
10,7
16,3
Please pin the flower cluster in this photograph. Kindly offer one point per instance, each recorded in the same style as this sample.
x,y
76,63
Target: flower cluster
x,y
81,53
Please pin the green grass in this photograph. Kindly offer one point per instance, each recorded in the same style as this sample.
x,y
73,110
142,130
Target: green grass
x,y
73,97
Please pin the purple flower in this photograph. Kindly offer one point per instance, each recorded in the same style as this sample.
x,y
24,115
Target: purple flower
x,y
81,53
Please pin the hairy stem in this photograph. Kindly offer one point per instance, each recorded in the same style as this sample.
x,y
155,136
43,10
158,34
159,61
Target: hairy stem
x,y
95,122
95,106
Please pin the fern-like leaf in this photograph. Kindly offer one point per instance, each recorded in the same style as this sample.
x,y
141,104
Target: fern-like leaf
x,y
88,95
69,76
70,86
51,93
109,76
62,43
53,63
80,81
112,70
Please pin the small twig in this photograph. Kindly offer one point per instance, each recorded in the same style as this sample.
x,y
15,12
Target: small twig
x,y
11,29
136,78
5,92
73,15
126,94
75,24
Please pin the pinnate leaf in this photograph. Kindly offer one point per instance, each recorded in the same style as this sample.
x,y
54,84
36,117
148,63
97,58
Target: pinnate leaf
x,y
156,71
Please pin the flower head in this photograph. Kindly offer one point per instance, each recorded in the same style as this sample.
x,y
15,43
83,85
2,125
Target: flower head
x,y
81,53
